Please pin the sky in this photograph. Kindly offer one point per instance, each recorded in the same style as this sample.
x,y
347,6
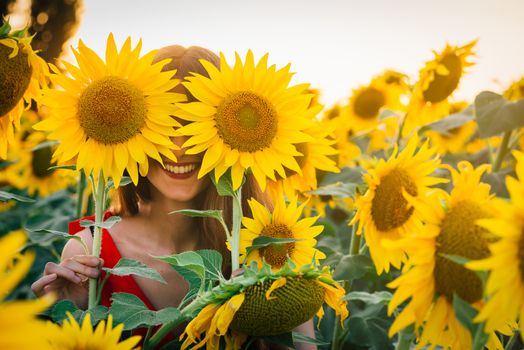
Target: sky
x,y
335,45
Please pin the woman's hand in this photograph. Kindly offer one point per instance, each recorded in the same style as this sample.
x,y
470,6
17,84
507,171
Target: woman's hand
x,y
68,280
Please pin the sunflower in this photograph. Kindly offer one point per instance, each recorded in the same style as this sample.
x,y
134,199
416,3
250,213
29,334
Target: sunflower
x,y
316,154
17,318
515,91
263,304
505,285
72,336
366,103
437,82
429,278
22,74
31,171
384,211
246,118
456,139
112,116
284,222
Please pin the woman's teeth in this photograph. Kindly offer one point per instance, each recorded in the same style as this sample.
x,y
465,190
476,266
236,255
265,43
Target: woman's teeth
x,y
180,169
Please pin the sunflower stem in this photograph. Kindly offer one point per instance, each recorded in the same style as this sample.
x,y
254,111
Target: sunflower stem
x,y
235,230
503,150
404,340
80,194
400,129
99,194
512,340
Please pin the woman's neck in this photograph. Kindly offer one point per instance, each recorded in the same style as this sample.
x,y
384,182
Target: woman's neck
x,y
175,232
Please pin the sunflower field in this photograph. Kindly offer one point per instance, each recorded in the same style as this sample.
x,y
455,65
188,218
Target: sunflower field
x,y
397,218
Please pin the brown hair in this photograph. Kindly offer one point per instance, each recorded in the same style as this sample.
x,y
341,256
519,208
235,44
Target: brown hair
x,y
211,233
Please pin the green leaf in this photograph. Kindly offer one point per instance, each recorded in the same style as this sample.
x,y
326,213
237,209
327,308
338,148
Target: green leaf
x,y
190,266
124,181
370,298
346,175
45,237
216,214
126,267
5,29
5,196
465,313
133,313
264,241
67,167
224,185
97,313
58,312
212,263
107,224
301,338
352,267
496,115
339,189
457,259
45,145
452,121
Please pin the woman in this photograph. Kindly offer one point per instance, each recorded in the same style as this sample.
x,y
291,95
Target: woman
x,y
146,229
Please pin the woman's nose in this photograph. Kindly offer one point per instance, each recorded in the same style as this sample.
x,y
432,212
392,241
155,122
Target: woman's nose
x,y
179,141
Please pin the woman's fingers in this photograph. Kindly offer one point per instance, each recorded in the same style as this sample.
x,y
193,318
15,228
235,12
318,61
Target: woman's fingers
x,y
38,286
89,260
62,272
80,269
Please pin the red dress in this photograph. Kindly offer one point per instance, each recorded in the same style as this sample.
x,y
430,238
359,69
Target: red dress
x,y
117,284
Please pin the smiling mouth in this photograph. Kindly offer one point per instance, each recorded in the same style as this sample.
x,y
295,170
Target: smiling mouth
x,y
181,170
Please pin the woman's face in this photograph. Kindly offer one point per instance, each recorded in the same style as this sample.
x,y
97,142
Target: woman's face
x,y
178,181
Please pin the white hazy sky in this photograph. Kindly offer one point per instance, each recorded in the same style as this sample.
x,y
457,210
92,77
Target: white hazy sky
x,y
336,45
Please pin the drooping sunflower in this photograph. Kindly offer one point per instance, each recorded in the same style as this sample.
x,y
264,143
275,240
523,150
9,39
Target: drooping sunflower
x,y
19,317
384,212
283,222
72,336
366,103
247,117
437,81
316,154
22,75
31,170
505,284
112,116
431,279
263,304
456,139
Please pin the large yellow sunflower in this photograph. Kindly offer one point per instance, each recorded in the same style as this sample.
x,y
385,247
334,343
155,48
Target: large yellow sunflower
x,y
515,91
437,81
284,222
31,170
384,212
22,74
366,103
505,285
247,117
72,336
19,318
316,154
112,116
429,278
269,305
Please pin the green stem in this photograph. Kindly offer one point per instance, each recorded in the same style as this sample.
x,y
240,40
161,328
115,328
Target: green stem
x,y
400,129
511,341
235,230
404,340
99,193
338,334
503,150
80,194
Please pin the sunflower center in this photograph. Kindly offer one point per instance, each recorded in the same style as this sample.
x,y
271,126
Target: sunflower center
x,y
247,122
276,254
459,235
443,85
389,208
368,103
291,305
521,255
15,75
112,110
41,162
